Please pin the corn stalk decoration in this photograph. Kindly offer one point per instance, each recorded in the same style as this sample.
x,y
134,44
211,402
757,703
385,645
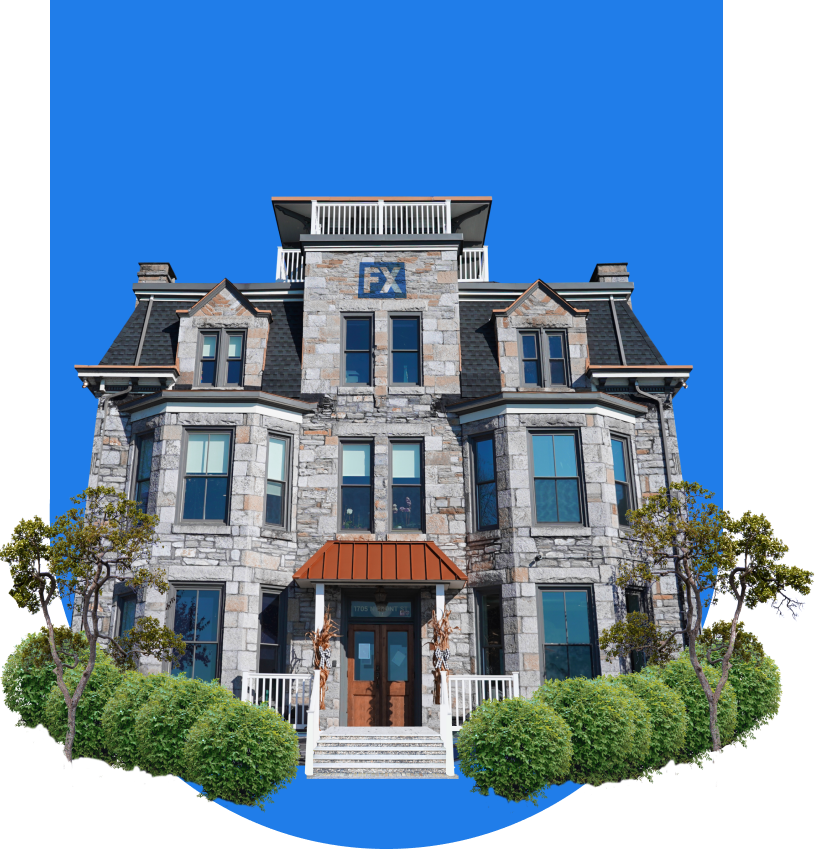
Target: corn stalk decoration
x,y
442,629
321,641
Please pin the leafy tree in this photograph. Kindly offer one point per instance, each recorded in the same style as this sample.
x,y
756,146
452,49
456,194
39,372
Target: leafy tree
x,y
105,538
681,533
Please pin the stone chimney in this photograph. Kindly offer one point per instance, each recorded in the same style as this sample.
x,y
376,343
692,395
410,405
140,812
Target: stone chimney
x,y
157,272
610,272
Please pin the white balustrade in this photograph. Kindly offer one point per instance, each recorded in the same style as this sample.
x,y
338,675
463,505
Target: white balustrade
x,y
466,692
371,218
473,265
313,723
446,725
287,694
291,265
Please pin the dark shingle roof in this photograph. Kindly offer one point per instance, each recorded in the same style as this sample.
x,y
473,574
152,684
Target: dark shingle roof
x,y
479,350
159,343
283,351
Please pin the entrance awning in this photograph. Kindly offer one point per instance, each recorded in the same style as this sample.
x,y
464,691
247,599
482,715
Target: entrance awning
x,y
381,562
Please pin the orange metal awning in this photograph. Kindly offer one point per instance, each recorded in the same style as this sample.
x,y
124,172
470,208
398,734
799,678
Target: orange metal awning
x,y
381,562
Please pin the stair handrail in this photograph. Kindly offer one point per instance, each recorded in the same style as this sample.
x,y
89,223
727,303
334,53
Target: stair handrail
x,y
313,722
446,725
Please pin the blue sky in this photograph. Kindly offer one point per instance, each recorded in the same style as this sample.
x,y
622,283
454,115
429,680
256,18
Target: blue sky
x,y
595,127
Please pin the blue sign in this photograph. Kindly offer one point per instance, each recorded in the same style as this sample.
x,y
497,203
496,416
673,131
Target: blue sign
x,y
382,280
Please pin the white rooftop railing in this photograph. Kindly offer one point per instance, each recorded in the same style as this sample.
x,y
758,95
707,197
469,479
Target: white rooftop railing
x,y
473,265
368,218
291,265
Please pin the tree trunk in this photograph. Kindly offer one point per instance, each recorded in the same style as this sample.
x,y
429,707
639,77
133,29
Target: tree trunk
x,y
69,737
715,736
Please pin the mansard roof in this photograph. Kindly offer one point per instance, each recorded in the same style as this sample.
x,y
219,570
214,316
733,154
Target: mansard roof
x,y
602,337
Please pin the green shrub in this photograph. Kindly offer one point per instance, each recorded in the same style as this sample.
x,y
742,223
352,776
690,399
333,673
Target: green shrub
x,y
28,674
758,689
680,677
241,753
607,725
669,720
119,715
516,746
89,741
162,722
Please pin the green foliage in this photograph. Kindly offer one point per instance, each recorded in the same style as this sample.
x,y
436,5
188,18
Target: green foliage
x,y
241,753
517,747
90,739
28,674
163,721
680,676
25,553
119,715
146,637
638,632
713,642
609,725
669,720
758,688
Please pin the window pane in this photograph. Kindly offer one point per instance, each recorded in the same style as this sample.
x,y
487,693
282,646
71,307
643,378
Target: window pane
x,y
218,453
484,460
577,616
487,505
356,508
633,603
555,346
356,464
545,501
236,345
529,346
580,661
209,346
128,614
208,371
618,451
556,659
269,616
186,664
233,371
215,509
622,503
558,372
565,460
196,453
532,372
194,498
554,617
406,334
407,507
543,456
185,613
406,459
493,661
397,656
145,458
358,334
568,501
357,368
274,503
492,620
143,494
405,368
268,664
205,658
276,462
207,616
364,656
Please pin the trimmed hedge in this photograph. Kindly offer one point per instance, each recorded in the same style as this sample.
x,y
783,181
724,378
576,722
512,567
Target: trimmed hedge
x,y
241,753
89,741
163,720
758,689
516,747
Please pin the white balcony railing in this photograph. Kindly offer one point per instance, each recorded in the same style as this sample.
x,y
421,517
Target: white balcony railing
x,y
406,218
291,265
466,692
287,694
473,265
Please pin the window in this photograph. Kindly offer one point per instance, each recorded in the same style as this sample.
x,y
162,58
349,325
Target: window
x,y
404,354
276,479
406,497
635,603
144,464
484,484
271,619
355,471
619,450
543,359
356,353
126,606
556,483
490,634
567,633
220,361
206,477
197,620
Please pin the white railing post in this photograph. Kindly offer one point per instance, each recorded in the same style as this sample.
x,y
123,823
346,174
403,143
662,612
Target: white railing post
x,y
313,722
516,684
245,695
381,211
448,224
280,274
446,726
315,221
485,265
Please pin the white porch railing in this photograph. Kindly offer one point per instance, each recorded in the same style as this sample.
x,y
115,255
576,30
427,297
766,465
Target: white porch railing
x,y
466,692
313,724
446,726
473,265
287,694
291,265
401,218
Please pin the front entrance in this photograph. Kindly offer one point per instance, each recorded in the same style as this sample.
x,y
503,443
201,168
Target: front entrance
x,y
380,675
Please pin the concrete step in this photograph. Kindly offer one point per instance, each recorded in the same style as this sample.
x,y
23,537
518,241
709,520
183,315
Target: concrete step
x,y
368,756
379,765
415,750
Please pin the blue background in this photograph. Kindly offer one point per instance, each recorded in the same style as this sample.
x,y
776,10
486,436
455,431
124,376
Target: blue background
x,y
596,128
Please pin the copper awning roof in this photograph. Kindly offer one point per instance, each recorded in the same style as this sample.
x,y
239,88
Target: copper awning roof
x,y
382,562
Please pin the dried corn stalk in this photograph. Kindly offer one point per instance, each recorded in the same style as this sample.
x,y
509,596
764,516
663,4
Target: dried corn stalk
x,y
441,648
321,641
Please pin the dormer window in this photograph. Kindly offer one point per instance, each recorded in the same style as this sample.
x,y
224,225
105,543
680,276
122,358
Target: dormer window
x,y
220,358
542,359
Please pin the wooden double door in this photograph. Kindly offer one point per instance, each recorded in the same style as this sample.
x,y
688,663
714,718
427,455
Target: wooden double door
x,y
380,675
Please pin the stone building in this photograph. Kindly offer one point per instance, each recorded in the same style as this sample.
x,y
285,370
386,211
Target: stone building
x,y
385,431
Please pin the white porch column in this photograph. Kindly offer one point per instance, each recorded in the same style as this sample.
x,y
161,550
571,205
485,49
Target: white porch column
x,y
319,606
439,601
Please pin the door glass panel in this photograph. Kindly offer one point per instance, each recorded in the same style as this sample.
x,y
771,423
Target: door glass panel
x,y
364,656
397,656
